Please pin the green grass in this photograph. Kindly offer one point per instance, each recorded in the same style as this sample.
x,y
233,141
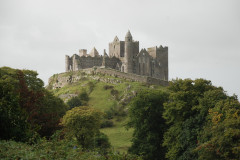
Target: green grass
x,y
119,136
100,98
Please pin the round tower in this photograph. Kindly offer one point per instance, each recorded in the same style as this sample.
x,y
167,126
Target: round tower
x,y
67,63
128,53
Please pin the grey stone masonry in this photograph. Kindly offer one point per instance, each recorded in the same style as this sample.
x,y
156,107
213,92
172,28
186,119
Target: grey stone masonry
x,y
124,56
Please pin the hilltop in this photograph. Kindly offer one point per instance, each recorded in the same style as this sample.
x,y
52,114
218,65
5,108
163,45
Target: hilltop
x,y
109,91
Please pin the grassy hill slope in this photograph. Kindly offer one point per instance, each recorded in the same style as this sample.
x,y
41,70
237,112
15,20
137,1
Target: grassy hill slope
x,y
105,93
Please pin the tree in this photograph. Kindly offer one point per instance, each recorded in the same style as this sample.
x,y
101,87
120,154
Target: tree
x,y
185,113
26,107
146,118
51,110
83,123
220,137
12,116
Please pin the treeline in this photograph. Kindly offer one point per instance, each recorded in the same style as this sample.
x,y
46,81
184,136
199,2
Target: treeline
x,y
192,120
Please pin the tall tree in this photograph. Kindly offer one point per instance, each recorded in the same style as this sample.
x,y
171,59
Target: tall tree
x,y
26,107
185,112
146,118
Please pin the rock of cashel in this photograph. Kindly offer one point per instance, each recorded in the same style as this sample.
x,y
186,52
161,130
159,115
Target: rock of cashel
x,y
125,60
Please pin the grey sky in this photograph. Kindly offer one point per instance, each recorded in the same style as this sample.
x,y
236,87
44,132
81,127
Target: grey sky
x,y
203,36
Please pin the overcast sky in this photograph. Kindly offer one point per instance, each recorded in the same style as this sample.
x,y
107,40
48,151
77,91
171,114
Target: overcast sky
x,y
203,36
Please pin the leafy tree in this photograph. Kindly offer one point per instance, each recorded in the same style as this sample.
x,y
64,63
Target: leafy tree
x,y
51,110
185,113
149,126
24,104
220,137
13,118
83,123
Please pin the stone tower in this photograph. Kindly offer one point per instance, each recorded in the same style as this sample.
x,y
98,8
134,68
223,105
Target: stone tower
x,y
131,49
128,52
68,64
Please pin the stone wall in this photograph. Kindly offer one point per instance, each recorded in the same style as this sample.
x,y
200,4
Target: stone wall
x,y
132,77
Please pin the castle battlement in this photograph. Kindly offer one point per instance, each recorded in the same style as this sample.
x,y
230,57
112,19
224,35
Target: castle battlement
x,y
124,56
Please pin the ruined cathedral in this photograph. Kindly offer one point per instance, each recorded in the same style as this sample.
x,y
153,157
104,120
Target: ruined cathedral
x,y
124,56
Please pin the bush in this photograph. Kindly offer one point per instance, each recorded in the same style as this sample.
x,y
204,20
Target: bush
x,y
102,143
107,123
74,102
115,110
79,100
115,93
106,87
110,113
90,86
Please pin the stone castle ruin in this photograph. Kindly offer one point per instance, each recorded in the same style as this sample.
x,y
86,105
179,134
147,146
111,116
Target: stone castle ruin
x,y
124,56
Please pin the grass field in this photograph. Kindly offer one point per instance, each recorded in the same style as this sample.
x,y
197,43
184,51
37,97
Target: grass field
x,y
119,137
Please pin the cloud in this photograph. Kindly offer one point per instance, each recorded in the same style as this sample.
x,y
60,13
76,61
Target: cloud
x,y
203,36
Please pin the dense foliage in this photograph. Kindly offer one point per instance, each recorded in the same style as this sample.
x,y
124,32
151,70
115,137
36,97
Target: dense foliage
x,y
55,149
27,109
149,126
220,138
187,112
198,121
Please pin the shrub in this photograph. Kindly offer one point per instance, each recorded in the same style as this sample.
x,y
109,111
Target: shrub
x,y
74,102
106,87
90,86
115,93
102,143
79,100
107,123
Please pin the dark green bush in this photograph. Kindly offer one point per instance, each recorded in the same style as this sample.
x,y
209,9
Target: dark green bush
x,y
106,87
107,123
115,93
79,100
102,143
91,86
74,102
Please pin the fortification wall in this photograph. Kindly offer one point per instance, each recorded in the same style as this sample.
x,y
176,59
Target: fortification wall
x,y
112,62
89,62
